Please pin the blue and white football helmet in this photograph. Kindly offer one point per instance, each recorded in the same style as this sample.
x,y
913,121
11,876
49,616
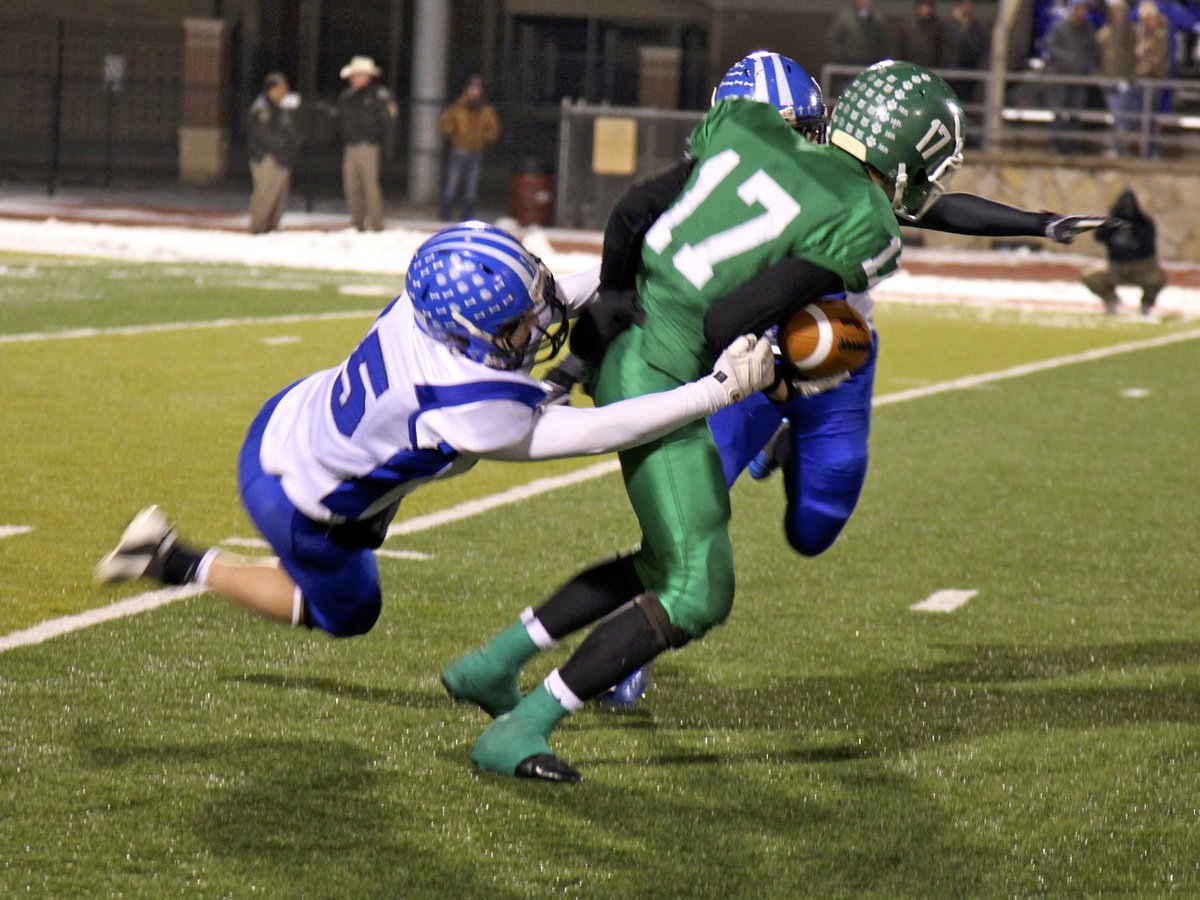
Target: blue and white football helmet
x,y
774,78
471,285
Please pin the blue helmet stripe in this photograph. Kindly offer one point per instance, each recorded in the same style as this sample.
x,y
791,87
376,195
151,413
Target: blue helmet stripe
x,y
520,265
783,88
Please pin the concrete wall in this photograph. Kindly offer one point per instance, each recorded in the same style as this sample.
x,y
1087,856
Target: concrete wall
x,y
1166,190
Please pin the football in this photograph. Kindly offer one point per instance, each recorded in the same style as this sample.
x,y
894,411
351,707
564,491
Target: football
x,y
825,338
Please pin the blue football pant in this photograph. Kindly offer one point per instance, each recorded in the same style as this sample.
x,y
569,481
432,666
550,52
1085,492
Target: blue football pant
x,y
340,585
827,462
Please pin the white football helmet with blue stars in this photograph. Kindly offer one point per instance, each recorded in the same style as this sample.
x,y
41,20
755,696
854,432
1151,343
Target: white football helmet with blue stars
x,y
472,284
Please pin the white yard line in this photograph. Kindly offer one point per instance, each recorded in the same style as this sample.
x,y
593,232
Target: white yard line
x,y
153,599
504,498
30,337
128,607
971,381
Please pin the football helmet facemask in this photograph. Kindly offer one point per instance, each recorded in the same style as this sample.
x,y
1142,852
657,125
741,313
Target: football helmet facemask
x,y
906,122
473,286
773,78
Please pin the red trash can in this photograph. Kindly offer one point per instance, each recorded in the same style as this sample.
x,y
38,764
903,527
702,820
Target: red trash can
x,y
531,195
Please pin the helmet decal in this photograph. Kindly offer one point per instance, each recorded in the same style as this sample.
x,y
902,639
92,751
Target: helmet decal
x,y
906,122
472,284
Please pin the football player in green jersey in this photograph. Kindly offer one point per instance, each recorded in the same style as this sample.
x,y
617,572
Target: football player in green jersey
x,y
819,436
766,223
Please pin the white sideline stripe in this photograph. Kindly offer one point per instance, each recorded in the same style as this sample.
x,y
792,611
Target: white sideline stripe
x,y
946,600
34,336
55,627
1044,365
504,498
404,554
10,530
255,543
128,607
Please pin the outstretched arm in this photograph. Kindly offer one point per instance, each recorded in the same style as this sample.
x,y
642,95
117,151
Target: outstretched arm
x,y
961,213
745,367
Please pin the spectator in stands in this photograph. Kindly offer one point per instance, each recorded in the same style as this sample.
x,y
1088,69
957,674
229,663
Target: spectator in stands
x,y
1132,256
858,37
471,125
272,142
1070,50
970,47
1115,42
1151,53
366,114
923,38
1177,19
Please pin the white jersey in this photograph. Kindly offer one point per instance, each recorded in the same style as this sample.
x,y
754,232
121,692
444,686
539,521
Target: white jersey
x,y
403,409
349,441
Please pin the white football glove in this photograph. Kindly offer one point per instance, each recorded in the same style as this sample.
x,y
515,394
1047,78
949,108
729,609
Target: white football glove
x,y
810,387
1064,229
746,367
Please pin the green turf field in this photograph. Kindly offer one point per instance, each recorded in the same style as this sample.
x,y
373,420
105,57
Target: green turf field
x,y
1041,740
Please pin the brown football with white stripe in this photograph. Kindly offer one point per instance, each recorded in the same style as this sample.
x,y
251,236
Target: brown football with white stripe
x,y
827,337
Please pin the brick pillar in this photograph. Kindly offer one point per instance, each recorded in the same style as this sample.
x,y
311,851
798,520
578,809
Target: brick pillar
x,y
658,76
203,129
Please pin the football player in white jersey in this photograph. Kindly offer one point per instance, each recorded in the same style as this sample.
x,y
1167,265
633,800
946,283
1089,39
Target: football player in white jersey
x,y
440,380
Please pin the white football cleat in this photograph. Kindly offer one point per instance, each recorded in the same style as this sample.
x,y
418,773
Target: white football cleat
x,y
141,551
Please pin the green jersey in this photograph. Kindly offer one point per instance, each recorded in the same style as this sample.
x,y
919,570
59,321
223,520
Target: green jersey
x,y
759,193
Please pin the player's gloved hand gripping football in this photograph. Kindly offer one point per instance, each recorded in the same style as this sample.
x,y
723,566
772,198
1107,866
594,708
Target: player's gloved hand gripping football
x,y
746,367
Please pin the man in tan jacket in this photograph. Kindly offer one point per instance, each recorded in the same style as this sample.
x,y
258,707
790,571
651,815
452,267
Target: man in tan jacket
x,y
471,125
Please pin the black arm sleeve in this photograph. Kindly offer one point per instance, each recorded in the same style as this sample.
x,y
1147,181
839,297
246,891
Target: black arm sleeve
x,y
767,299
961,213
631,218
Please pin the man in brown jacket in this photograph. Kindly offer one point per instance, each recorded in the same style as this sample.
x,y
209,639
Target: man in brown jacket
x,y
471,125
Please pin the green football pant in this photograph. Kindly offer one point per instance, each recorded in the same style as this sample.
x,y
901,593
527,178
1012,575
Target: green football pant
x,y
678,492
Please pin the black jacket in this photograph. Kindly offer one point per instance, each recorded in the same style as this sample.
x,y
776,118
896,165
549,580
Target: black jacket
x,y
271,129
1135,241
368,115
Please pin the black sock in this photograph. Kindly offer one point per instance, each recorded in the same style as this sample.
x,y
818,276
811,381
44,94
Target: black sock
x,y
615,649
180,564
589,597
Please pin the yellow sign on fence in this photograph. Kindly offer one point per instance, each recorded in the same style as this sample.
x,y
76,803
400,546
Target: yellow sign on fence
x,y
614,146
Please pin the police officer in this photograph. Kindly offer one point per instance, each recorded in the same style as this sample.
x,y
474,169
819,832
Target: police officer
x,y
367,114
272,141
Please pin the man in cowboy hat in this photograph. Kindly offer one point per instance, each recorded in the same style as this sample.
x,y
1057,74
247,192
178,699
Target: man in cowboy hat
x,y
367,114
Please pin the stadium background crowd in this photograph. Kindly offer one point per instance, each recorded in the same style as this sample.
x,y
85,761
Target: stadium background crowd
x,y
133,93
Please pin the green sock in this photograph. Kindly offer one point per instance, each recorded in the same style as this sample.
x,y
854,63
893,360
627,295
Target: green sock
x,y
520,734
487,677
511,648
541,709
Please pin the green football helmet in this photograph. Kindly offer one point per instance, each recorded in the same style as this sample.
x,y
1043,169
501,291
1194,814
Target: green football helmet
x,y
906,122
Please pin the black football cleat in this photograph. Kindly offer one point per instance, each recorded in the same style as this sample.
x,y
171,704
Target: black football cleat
x,y
547,767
